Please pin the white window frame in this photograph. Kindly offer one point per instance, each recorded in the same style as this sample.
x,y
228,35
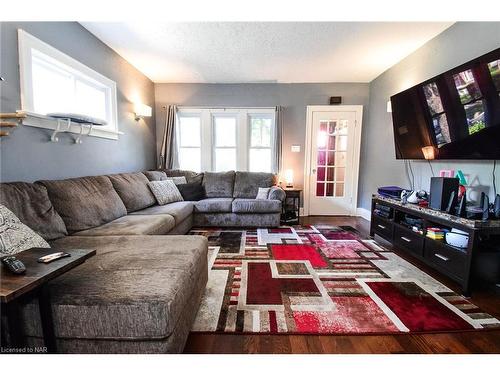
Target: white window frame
x,y
272,117
27,43
236,147
243,116
178,134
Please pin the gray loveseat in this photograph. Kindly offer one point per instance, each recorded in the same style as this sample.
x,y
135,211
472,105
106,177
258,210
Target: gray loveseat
x,y
141,292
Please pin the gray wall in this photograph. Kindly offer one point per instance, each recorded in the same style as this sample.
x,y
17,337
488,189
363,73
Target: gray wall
x,y
27,153
294,97
458,44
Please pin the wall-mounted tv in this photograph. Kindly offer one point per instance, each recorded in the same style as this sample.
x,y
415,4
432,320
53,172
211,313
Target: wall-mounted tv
x,y
455,115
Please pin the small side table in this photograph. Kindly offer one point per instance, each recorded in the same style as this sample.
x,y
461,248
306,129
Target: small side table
x,y
291,207
15,288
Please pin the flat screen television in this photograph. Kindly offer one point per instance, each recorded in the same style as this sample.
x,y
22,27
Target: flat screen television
x,y
455,115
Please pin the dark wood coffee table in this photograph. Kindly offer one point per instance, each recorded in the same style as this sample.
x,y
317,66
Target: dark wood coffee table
x,y
14,289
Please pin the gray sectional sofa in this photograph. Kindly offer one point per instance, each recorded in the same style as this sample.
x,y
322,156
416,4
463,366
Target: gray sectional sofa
x,y
141,292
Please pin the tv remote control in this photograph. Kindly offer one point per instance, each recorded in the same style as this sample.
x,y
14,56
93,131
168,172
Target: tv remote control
x,y
51,257
14,265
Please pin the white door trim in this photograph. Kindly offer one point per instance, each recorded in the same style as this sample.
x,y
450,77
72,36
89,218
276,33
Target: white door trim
x,y
358,111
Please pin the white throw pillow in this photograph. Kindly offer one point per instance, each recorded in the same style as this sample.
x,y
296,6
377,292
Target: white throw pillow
x,y
16,236
165,191
263,193
178,180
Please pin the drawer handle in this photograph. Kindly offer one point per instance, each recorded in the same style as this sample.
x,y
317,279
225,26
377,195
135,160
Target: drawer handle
x,y
442,257
406,239
381,226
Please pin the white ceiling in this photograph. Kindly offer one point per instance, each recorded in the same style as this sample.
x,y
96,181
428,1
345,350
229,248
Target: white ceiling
x,y
225,52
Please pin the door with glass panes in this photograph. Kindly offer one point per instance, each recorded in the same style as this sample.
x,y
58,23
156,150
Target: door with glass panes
x,y
332,148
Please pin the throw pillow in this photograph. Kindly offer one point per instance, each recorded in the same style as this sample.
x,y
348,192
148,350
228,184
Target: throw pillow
x,y
165,191
263,193
155,175
15,236
192,191
190,175
178,180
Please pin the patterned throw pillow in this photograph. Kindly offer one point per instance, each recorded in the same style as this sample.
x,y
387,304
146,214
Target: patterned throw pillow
x,y
178,180
263,193
165,191
15,236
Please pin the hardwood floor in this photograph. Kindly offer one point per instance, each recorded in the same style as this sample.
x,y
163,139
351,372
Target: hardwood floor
x,y
463,342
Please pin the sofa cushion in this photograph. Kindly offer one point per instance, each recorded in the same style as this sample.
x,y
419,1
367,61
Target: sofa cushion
x,y
192,191
247,184
155,175
219,184
15,236
31,204
122,294
244,205
190,175
179,210
133,190
133,225
85,202
213,205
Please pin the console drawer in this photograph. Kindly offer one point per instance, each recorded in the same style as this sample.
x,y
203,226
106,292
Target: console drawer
x,y
450,260
408,240
382,227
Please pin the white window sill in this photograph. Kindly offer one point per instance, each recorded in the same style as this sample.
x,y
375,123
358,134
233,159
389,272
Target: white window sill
x,y
41,121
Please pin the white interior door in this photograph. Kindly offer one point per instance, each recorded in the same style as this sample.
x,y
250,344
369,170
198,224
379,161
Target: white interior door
x,y
333,160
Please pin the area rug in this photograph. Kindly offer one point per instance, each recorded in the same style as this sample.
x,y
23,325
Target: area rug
x,y
322,280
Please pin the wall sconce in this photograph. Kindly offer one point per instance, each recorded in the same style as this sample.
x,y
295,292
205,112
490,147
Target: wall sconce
x,y
289,178
142,110
429,152
389,106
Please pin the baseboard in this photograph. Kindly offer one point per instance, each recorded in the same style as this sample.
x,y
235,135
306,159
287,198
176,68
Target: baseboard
x,y
364,213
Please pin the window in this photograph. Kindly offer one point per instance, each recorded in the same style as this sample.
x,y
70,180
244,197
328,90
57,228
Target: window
x,y
51,81
261,135
226,139
224,130
189,137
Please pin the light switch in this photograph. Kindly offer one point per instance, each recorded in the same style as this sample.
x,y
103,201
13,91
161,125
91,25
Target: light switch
x,y
295,148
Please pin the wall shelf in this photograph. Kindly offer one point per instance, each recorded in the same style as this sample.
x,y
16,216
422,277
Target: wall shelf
x,y
41,121
16,116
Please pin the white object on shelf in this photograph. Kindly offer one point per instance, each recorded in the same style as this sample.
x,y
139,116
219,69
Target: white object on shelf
x,y
457,238
46,122
79,120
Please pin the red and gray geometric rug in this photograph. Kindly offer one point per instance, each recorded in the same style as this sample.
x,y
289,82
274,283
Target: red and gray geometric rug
x,y
322,280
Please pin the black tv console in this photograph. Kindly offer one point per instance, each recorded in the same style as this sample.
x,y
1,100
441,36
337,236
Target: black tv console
x,y
451,261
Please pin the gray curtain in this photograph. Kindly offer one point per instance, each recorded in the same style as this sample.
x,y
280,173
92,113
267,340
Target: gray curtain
x,y
277,157
168,153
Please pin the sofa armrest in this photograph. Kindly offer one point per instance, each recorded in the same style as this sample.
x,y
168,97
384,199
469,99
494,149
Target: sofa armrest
x,y
277,193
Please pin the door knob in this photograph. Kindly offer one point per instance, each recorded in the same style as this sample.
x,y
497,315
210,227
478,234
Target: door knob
x,y
314,171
